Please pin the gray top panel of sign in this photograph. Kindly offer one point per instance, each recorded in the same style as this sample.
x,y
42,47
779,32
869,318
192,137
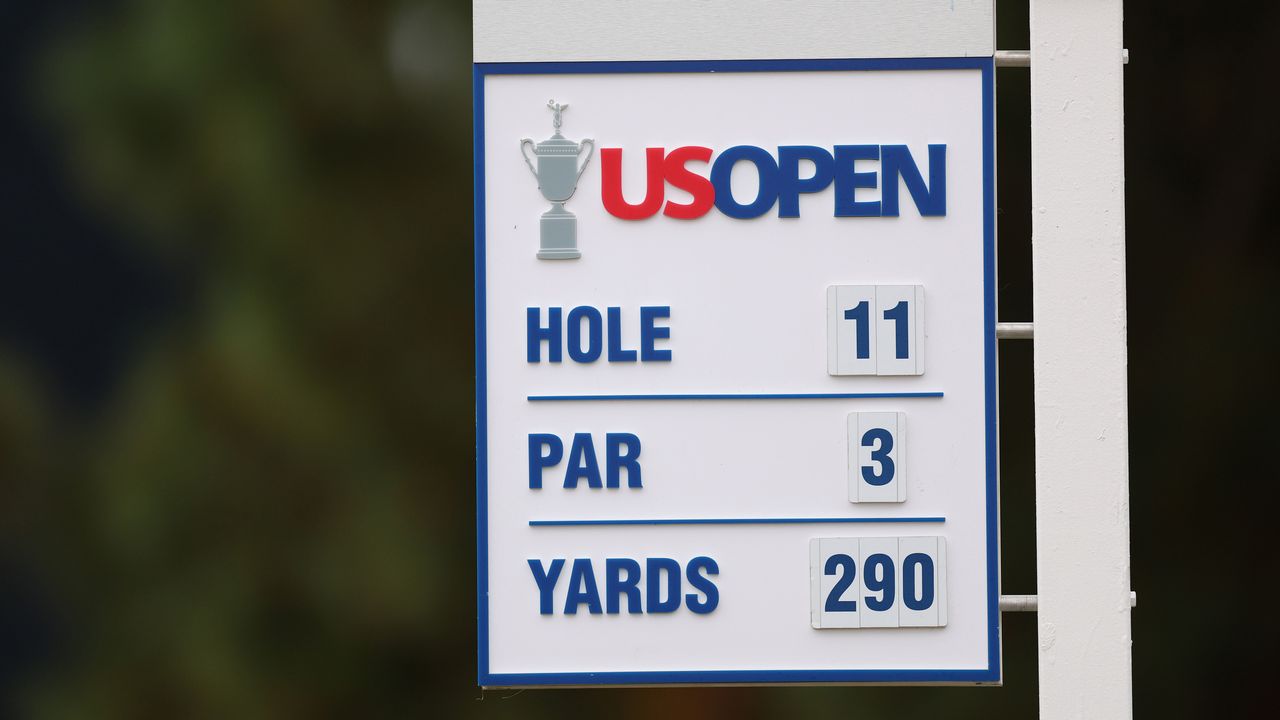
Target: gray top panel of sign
x,y
598,30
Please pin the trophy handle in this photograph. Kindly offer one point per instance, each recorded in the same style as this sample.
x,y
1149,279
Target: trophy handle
x,y
525,155
586,142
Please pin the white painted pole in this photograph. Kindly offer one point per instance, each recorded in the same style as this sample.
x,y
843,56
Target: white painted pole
x,y
1078,266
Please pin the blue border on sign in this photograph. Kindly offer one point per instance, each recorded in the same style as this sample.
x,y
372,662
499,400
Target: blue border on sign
x,y
988,675
482,391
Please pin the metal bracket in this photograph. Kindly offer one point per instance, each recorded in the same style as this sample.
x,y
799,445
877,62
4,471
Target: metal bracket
x,y
1022,58
1015,330
1013,58
1031,603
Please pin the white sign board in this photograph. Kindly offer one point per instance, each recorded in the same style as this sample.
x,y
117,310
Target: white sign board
x,y
589,30
736,372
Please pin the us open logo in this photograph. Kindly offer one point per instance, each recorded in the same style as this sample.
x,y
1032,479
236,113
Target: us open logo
x,y
783,177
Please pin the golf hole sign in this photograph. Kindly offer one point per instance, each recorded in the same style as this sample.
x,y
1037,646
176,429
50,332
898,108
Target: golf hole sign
x,y
736,372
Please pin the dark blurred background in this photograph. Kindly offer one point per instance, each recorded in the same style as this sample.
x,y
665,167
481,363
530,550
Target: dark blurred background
x,y
236,409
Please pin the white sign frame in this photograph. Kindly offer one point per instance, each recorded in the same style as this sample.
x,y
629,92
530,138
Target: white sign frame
x,y
991,674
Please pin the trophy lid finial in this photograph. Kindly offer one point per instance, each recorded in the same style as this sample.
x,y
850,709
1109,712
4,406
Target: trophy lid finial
x,y
557,108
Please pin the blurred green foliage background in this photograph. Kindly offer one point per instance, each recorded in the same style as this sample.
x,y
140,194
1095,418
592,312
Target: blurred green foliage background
x,y
236,382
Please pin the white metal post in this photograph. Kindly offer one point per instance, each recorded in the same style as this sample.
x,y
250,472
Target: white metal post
x,y
1082,486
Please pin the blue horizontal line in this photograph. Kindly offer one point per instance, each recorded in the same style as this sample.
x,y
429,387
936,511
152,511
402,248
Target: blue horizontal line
x,y
737,521
739,396
666,677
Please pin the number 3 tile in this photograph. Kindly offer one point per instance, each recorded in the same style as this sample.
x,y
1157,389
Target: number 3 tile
x,y
877,457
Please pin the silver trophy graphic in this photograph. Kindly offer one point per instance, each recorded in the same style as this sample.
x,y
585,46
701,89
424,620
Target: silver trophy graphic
x,y
557,174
